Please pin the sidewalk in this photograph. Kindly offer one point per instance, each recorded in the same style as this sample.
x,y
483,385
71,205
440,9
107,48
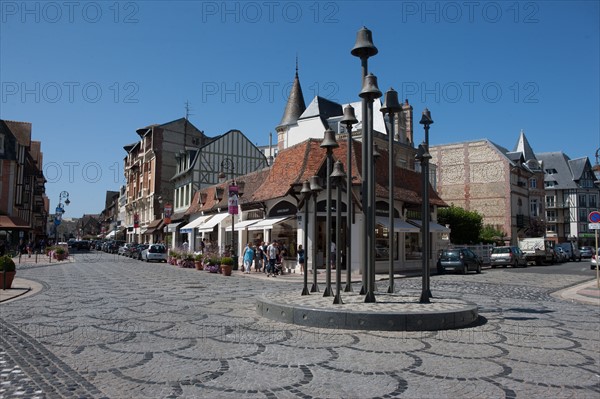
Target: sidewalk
x,y
587,292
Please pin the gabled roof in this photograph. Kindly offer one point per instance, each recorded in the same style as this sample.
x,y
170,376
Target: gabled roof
x,y
578,167
560,162
323,108
523,147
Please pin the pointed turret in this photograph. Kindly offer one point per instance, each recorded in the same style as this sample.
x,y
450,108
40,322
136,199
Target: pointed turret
x,y
524,148
295,104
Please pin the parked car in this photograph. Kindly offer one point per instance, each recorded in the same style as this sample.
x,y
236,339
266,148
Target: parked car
x,y
113,246
124,249
594,260
460,259
136,251
571,250
586,252
155,252
561,254
507,256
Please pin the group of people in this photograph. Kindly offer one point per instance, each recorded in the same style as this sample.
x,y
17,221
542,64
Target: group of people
x,y
268,258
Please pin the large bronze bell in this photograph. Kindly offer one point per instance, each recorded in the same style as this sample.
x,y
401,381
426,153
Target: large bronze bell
x,y
329,140
390,102
349,118
369,89
364,47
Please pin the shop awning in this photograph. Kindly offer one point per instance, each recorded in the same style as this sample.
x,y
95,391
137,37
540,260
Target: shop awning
x,y
245,224
212,222
433,227
111,234
400,225
268,223
189,228
154,225
172,227
12,222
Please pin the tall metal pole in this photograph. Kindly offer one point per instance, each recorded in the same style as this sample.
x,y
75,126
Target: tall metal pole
x,y
349,119
391,106
370,91
338,175
306,197
363,49
327,291
315,188
424,157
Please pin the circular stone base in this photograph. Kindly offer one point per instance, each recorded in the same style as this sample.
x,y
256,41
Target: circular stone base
x,y
391,312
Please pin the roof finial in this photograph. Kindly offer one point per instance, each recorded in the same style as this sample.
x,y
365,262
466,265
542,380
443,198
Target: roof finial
x,y
296,64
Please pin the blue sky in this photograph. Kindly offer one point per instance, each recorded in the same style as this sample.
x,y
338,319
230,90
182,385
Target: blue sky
x,y
88,74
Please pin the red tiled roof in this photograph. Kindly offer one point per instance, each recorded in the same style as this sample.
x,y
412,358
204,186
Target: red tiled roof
x,y
298,163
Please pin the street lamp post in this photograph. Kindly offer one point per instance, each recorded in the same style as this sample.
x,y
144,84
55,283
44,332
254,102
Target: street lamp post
x,y
338,175
349,119
391,106
315,188
329,143
424,156
60,210
227,165
370,92
363,49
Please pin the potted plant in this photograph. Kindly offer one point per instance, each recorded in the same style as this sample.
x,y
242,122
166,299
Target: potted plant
x,y
173,257
60,253
198,260
212,264
7,271
226,265
187,260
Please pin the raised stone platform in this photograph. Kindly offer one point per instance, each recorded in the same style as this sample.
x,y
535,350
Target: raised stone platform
x,y
391,312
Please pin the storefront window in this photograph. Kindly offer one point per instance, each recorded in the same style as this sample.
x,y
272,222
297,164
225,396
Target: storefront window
x,y
382,248
412,246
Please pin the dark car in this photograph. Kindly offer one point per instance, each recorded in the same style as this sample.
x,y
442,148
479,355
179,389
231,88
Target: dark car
x,y
586,252
460,259
136,251
507,256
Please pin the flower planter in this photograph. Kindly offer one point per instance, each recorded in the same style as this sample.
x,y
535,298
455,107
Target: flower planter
x,y
199,265
6,278
226,270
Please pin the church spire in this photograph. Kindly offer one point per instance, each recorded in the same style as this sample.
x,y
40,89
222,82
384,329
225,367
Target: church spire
x,y
524,147
295,104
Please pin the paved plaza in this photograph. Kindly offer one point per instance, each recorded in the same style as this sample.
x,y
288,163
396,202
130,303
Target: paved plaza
x,y
105,326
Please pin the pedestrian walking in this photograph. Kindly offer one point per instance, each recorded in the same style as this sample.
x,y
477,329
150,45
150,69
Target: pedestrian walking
x,y
301,258
248,258
272,252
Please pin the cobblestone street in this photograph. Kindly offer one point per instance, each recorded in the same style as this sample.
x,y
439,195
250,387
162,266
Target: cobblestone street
x,y
106,326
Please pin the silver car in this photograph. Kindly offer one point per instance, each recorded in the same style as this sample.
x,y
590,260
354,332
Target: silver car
x,y
507,256
155,252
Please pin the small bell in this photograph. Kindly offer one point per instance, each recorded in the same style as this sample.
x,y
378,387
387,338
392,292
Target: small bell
x,y
369,89
349,118
305,188
329,140
426,118
364,47
338,170
390,102
315,187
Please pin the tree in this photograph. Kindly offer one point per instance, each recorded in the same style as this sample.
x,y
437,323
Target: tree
x,y
489,234
465,225
536,228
